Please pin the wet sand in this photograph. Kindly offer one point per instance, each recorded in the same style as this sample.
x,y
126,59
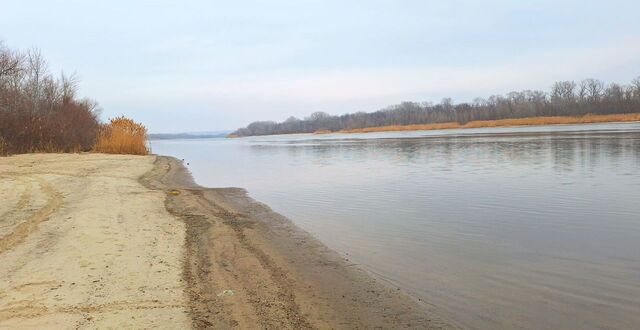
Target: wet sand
x,y
130,241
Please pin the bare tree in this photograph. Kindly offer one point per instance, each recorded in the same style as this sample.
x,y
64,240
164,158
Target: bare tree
x,y
447,103
10,61
583,93
635,86
594,89
69,87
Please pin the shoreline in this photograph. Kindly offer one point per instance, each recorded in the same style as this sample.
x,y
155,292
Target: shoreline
x,y
519,122
95,240
283,276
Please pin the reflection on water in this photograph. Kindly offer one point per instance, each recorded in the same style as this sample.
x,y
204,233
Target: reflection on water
x,y
519,227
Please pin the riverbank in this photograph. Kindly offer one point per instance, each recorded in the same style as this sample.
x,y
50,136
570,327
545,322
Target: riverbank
x,y
131,242
532,121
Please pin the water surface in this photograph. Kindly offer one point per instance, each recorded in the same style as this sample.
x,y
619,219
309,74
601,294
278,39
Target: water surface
x,y
532,227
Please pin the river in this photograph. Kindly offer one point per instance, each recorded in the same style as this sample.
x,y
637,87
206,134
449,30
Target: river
x,y
524,227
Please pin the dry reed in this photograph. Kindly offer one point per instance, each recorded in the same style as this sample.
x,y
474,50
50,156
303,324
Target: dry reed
x,y
122,136
556,120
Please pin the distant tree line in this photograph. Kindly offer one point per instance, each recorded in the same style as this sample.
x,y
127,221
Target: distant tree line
x,y
566,98
41,112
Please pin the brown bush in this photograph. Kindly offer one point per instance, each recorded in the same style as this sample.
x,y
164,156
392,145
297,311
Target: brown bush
x,y
122,136
39,112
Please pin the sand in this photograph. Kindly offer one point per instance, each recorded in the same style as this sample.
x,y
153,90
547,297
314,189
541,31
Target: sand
x,y
113,241
83,244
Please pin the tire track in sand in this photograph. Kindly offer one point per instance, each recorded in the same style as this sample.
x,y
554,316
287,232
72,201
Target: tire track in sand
x,y
36,310
25,197
30,224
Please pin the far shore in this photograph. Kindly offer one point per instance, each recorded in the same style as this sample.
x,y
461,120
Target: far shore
x,y
532,121
529,121
118,241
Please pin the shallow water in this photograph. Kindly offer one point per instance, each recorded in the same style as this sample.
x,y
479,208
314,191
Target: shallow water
x,y
531,227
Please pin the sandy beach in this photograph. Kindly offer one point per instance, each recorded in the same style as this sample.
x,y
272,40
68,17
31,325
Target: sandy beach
x,y
112,241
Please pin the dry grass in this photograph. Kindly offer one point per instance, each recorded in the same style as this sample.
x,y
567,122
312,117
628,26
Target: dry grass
x,y
322,131
122,136
558,120
417,127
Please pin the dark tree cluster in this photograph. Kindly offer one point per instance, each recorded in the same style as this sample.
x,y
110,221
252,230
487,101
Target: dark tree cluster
x,y
566,98
40,112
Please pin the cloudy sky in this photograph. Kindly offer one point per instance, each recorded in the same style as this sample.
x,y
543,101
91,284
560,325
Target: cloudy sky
x,y
213,65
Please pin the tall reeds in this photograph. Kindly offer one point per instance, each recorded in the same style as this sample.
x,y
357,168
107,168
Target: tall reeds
x,y
122,136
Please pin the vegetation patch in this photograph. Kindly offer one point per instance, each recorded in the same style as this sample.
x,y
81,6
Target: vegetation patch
x,y
504,123
122,136
42,113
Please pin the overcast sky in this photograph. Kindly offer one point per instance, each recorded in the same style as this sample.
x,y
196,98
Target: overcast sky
x,y
213,65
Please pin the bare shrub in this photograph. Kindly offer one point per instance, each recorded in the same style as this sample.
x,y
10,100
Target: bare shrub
x,y
39,112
